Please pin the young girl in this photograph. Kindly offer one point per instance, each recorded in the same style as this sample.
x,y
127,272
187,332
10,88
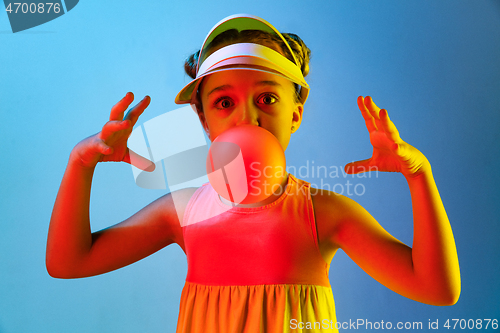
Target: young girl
x,y
260,267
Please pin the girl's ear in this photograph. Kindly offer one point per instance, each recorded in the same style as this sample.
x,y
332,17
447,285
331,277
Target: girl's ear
x,y
203,121
297,116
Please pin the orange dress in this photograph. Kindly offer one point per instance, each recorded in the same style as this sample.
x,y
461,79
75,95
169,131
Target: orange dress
x,y
254,269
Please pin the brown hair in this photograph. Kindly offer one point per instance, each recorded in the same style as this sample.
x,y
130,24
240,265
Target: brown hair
x,y
233,36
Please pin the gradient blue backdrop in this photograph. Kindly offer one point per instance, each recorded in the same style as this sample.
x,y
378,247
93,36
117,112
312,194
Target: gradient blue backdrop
x,y
434,65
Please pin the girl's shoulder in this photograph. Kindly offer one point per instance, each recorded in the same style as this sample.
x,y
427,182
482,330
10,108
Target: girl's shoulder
x,y
332,206
332,211
173,206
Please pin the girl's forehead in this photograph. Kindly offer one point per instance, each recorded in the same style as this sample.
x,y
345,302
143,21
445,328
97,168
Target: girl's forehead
x,y
247,78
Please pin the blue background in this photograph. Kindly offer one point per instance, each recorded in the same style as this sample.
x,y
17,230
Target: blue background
x,y
434,65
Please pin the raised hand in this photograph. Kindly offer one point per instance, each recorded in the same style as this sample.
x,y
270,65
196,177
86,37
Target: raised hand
x,y
111,143
390,152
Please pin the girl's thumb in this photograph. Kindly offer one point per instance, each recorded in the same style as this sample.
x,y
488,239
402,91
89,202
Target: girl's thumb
x,y
357,167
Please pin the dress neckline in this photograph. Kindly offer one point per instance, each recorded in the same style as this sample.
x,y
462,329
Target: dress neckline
x,y
282,197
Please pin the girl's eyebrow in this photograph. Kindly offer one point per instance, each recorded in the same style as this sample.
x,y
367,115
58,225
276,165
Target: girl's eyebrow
x,y
220,88
267,83
256,84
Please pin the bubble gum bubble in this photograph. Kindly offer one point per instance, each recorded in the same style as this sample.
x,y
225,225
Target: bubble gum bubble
x,y
246,164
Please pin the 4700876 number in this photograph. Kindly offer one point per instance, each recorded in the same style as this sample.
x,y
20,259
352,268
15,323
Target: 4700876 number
x,y
25,8
471,324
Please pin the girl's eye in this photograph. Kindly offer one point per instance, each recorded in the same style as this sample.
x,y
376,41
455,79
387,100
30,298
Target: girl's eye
x,y
223,103
267,99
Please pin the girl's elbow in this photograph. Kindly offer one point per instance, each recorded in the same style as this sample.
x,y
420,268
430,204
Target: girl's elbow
x,y
445,297
451,298
57,270
439,291
444,289
445,300
454,288
54,270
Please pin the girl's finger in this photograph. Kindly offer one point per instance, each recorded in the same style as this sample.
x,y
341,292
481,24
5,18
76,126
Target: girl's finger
x,y
134,113
389,128
372,107
119,108
112,127
379,124
102,148
369,120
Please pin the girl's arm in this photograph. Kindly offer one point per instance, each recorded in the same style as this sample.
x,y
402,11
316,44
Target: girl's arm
x,y
429,271
72,250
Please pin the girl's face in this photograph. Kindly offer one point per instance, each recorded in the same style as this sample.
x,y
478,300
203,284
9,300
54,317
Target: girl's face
x,y
236,97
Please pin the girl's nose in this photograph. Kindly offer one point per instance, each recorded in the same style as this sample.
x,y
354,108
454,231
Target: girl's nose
x,y
247,115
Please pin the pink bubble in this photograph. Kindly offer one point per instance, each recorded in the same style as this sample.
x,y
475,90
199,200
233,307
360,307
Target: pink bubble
x,y
246,164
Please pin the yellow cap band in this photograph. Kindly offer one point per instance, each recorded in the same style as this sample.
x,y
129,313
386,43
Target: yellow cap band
x,y
253,54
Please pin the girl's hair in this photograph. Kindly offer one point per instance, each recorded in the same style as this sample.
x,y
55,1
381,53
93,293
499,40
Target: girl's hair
x,y
233,36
